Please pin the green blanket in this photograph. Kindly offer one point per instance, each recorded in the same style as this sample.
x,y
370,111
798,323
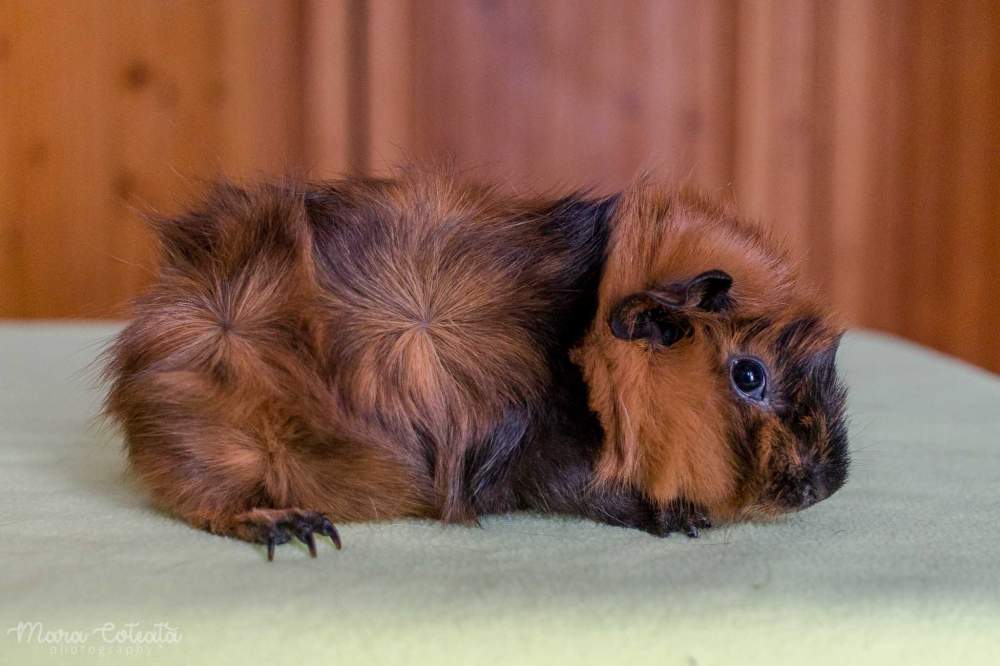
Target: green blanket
x,y
901,566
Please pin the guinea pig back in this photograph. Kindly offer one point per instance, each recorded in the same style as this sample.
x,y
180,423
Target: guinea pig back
x,y
351,350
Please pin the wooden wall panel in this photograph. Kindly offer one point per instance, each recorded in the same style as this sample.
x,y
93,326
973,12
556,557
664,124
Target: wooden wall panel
x,y
113,108
10,292
865,133
852,164
328,62
978,152
261,75
390,102
56,166
991,320
928,163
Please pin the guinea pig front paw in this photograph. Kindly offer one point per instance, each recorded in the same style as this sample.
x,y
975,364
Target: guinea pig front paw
x,y
680,515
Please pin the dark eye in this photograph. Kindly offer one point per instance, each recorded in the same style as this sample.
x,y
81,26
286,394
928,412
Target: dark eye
x,y
749,377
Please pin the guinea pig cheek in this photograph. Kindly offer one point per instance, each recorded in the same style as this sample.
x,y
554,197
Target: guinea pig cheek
x,y
767,472
687,452
791,479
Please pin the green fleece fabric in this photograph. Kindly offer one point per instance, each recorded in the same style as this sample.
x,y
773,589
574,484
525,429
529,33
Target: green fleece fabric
x,y
900,566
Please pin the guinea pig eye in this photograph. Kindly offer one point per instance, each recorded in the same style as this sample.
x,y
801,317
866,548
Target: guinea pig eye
x,y
749,377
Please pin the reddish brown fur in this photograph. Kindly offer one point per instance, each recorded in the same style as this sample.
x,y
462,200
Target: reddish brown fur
x,y
669,414
323,349
364,348
216,382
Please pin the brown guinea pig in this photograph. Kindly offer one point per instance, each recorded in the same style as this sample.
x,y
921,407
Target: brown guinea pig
x,y
710,365
375,349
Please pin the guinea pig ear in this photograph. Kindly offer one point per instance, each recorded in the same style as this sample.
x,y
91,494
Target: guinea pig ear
x,y
707,291
641,317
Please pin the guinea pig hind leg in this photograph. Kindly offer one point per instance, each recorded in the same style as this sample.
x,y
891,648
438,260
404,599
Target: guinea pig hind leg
x,y
231,490
274,527
253,470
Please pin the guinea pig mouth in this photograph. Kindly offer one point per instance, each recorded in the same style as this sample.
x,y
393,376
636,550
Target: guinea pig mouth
x,y
808,494
801,491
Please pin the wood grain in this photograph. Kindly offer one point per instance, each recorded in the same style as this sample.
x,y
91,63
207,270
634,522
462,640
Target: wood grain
x,y
866,134
327,58
390,91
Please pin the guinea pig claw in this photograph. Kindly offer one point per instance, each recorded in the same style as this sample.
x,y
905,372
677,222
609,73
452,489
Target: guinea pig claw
x,y
680,516
274,527
306,537
307,526
659,524
329,530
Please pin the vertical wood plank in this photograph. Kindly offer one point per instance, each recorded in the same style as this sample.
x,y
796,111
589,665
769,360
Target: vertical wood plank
x,y
821,110
262,134
11,291
788,127
988,332
753,107
450,47
716,83
390,102
327,61
852,159
971,224
929,164
675,121
889,118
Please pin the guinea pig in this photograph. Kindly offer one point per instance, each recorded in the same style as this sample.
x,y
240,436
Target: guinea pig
x,y
375,349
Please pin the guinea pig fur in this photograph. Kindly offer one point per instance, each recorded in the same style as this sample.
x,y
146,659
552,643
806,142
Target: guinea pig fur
x,y
373,349
691,300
